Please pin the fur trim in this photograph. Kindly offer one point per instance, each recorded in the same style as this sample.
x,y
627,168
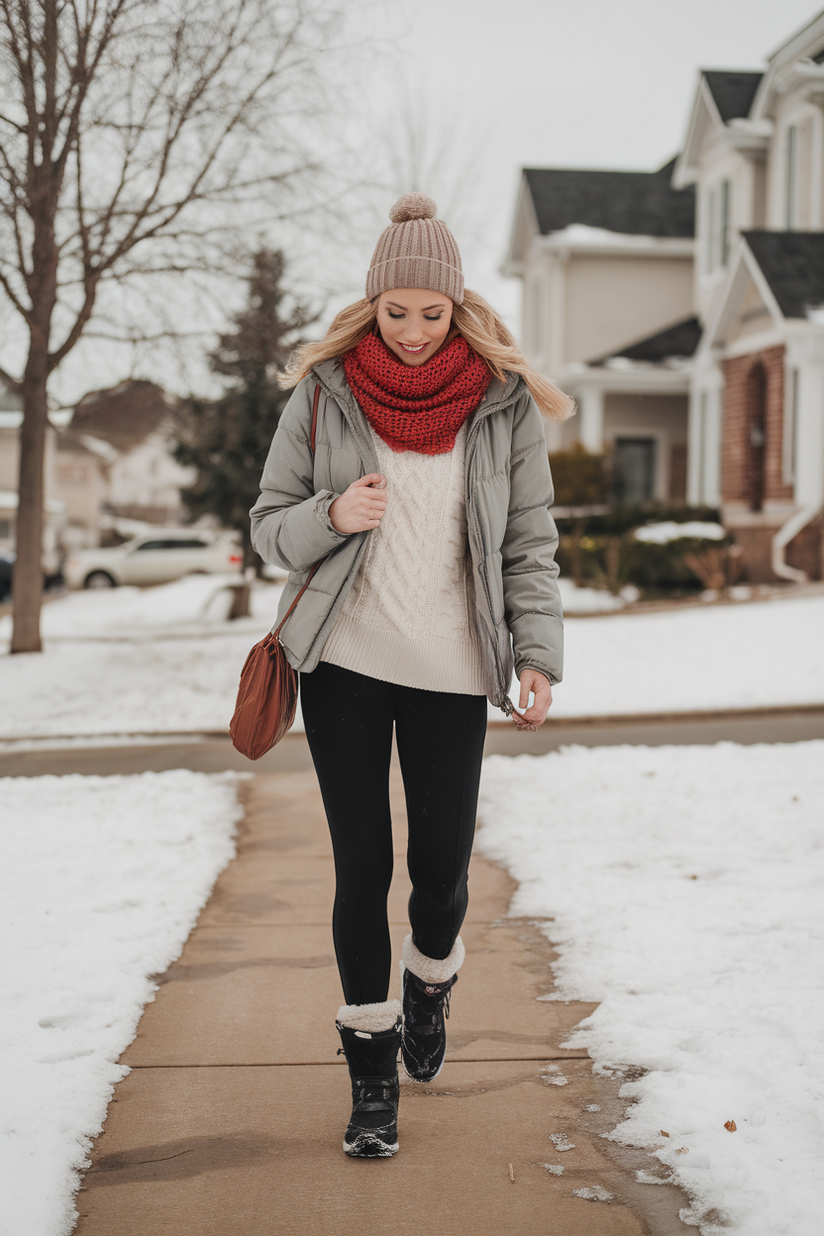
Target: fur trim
x,y
370,1018
431,969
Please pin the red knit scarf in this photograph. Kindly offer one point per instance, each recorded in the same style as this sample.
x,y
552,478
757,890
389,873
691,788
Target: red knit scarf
x,y
416,407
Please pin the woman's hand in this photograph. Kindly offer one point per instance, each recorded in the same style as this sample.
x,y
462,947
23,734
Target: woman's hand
x,y
361,506
539,685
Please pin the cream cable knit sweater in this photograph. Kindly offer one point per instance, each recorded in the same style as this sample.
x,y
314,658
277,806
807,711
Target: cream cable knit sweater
x,y
407,619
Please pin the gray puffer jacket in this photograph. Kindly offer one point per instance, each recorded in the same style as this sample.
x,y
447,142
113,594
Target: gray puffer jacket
x,y
512,536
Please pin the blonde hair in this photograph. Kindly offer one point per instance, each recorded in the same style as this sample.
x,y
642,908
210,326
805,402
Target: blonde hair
x,y
475,319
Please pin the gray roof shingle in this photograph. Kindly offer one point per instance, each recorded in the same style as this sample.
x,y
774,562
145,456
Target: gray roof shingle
x,y
732,92
679,340
793,265
633,203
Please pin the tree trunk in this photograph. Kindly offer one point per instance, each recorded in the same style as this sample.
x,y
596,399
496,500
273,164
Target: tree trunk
x,y
28,569
613,563
240,601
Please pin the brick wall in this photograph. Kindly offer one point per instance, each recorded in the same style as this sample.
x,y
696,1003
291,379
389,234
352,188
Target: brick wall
x,y
751,474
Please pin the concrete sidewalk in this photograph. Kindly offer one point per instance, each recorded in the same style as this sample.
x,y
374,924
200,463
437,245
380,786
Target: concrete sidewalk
x,y
231,1120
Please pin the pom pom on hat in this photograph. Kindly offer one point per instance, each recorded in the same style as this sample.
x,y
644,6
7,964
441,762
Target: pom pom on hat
x,y
417,250
413,206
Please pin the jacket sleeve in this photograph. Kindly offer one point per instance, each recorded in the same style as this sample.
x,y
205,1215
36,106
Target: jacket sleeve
x,y
532,599
290,521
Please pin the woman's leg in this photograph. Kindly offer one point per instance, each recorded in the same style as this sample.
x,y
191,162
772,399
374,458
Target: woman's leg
x,y
440,744
348,720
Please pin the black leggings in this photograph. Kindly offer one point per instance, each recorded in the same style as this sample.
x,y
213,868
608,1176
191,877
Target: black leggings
x,y
440,736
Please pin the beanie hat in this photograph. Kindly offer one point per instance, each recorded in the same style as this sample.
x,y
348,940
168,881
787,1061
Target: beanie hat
x,y
417,251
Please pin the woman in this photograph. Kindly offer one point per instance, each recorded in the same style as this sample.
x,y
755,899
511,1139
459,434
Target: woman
x,y
426,503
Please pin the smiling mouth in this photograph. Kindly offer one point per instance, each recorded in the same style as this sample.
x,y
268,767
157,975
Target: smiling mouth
x,y
419,348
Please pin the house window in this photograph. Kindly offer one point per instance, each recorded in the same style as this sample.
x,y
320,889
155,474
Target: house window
x,y
791,179
712,211
718,234
789,451
724,224
633,470
804,175
756,436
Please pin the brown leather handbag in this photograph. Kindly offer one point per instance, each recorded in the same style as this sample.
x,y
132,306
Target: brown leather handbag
x,y
267,697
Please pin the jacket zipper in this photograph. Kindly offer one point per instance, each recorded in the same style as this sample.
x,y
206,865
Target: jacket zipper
x,y
506,704
364,446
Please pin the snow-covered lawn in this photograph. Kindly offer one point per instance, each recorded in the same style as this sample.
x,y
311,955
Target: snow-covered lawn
x,y
165,660
759,654
132,660
100,883
685,887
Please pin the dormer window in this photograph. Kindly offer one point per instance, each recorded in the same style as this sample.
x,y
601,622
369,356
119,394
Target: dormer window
x,y
718,231
791,179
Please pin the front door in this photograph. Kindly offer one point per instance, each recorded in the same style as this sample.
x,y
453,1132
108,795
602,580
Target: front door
x,y
633,470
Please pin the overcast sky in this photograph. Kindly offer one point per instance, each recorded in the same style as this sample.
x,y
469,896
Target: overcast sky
x,y
471,91
584,83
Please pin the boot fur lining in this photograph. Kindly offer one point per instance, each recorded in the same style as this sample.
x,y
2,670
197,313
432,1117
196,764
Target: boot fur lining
x,y
432,969
371,1018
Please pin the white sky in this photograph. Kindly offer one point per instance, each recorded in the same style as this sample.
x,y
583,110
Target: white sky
x,y
586,82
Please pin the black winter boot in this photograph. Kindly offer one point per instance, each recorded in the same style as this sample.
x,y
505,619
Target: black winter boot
x,y
427,986
425,1007
373,1068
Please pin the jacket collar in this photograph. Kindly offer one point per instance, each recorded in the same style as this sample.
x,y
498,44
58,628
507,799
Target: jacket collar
x,y
332,379
499,394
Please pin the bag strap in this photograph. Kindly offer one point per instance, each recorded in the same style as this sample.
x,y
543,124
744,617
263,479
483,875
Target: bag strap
x,y
314,430
309,577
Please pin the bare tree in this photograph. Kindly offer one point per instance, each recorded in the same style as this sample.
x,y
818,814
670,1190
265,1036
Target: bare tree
x,y
437,147
134,135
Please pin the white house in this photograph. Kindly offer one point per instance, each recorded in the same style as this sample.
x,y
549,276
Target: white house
x,y
112,461
115,459
713,365
606,260
754,153
11,418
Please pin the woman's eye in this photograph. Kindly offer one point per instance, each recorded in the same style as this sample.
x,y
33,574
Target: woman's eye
x,y
436,319
394,315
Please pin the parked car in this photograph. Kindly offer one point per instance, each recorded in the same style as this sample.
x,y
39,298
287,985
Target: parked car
x,y
52,580
156,557
6,573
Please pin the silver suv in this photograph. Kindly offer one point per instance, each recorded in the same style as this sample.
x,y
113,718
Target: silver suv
x,y
156,557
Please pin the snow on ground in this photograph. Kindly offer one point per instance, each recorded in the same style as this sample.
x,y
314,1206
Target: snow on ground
x,y
191,604
685,887
164,660
727,656
577,600
663,533
133,660
101,881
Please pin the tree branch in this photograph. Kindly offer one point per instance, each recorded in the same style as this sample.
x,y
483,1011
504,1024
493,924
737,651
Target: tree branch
x,y
25,313
13,384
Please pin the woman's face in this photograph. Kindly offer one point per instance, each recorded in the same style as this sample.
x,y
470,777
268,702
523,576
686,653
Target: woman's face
x,y
414,322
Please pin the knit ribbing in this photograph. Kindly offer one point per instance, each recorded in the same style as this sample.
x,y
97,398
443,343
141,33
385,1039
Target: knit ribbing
x,y
416,407
417,251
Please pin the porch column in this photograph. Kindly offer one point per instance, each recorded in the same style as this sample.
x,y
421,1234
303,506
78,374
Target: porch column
x,y
807,355
591,414
696,432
